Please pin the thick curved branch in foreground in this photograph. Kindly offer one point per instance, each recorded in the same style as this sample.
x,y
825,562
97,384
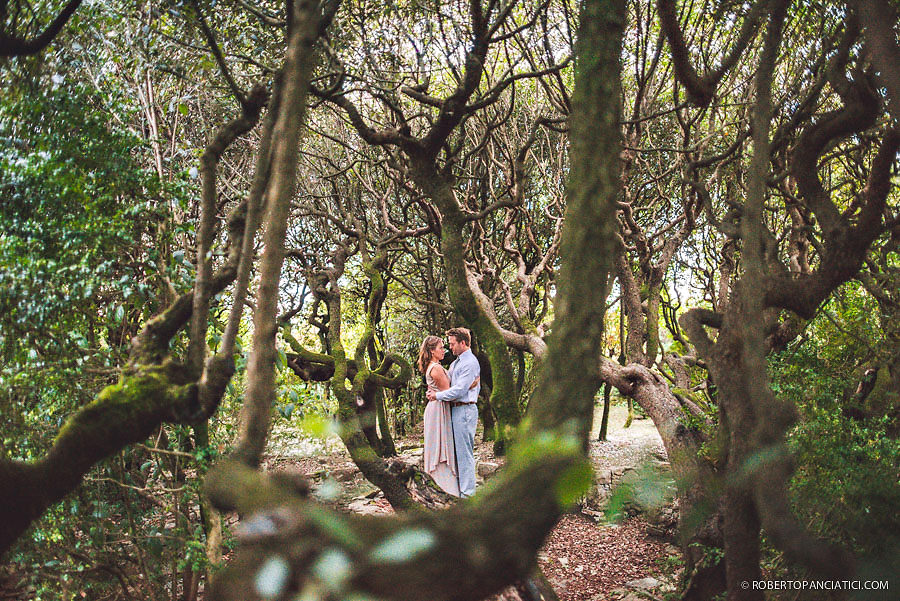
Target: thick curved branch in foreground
x,y
122,414
491,542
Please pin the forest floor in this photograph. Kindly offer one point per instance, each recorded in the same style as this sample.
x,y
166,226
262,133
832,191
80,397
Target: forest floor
x,y
585,558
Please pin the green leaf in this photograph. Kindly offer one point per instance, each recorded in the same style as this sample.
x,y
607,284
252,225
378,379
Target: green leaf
x,y
333,568
272,577
404,546
286,410
573,483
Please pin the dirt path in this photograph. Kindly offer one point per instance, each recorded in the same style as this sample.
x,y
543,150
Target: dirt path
x,y
631,446
590,561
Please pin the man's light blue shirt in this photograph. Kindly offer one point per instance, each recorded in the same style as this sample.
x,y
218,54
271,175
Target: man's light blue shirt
x,y
463,372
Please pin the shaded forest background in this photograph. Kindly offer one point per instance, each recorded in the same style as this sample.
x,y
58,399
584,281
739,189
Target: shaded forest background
x,y
224,219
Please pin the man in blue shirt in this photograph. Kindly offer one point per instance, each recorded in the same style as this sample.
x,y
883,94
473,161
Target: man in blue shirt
x,y
462,397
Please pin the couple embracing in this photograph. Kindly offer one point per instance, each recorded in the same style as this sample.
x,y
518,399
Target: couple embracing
x,y
451,414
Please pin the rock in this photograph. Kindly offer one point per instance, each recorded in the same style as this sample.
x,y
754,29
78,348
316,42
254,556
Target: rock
x,y
604,477
595,501
620,594
366,507
661,456
343,474
644,584
636,590
663,521
486,469
368,493
402,449
597,516
646,492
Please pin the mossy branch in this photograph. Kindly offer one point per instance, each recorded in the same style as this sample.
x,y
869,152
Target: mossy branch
x,y
123,413
490,542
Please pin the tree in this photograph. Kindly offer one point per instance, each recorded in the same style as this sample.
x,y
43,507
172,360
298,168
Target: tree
x,y
756,420
390,172
156,387
426,132
503,532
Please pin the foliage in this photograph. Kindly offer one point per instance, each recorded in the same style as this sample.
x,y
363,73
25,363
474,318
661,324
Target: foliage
x,y
99,194
76,273
845,486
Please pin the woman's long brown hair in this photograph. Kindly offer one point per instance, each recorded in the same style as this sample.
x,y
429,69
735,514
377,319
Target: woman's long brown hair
x,y
429,344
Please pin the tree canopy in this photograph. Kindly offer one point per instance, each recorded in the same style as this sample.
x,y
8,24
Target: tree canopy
x,y
224,218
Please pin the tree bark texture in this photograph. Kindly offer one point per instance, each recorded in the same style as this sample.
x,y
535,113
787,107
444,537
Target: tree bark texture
x,y
491,539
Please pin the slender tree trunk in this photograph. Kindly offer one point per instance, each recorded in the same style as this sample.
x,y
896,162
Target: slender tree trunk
x,y
520,372
486,412
368,420
384,430
604,421
209,517
489,339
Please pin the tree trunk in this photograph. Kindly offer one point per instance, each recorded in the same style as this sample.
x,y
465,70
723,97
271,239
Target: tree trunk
x,y
493,540
741,534
384,430
209,517
699,517
489,339
486,413
604,421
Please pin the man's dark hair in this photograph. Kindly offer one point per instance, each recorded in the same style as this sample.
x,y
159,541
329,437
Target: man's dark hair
x,y
461,335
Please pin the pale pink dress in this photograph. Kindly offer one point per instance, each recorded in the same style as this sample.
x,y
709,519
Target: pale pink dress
x,y
440,460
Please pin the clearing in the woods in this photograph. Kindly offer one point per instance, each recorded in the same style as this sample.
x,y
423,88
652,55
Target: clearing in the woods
x,y
587,557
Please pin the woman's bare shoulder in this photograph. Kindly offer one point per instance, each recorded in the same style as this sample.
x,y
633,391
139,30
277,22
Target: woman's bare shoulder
x,y
439,375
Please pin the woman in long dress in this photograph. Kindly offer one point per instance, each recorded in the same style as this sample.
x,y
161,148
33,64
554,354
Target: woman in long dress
x,y
440,458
